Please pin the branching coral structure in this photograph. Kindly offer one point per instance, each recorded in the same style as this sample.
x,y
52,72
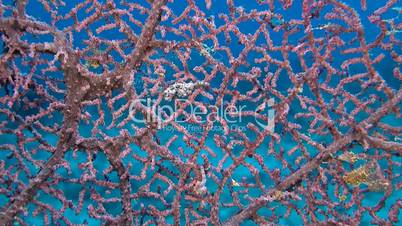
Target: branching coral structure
x,y
200,112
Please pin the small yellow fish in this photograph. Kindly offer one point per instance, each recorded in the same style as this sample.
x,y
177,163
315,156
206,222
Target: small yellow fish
x,y
343,197
364,174
92,64
235,183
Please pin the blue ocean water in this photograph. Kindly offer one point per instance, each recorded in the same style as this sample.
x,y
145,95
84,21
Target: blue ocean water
x,y
71,190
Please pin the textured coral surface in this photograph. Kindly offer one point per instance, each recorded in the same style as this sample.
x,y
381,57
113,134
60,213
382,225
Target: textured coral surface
x,y
200,112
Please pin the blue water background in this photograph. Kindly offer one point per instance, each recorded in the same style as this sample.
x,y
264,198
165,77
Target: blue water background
x,y
71,191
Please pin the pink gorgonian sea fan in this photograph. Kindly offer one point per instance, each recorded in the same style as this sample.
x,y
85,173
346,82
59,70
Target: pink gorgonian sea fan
x,y
200,112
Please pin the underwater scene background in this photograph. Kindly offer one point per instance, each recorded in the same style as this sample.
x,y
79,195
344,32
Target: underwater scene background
x,y
200,112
